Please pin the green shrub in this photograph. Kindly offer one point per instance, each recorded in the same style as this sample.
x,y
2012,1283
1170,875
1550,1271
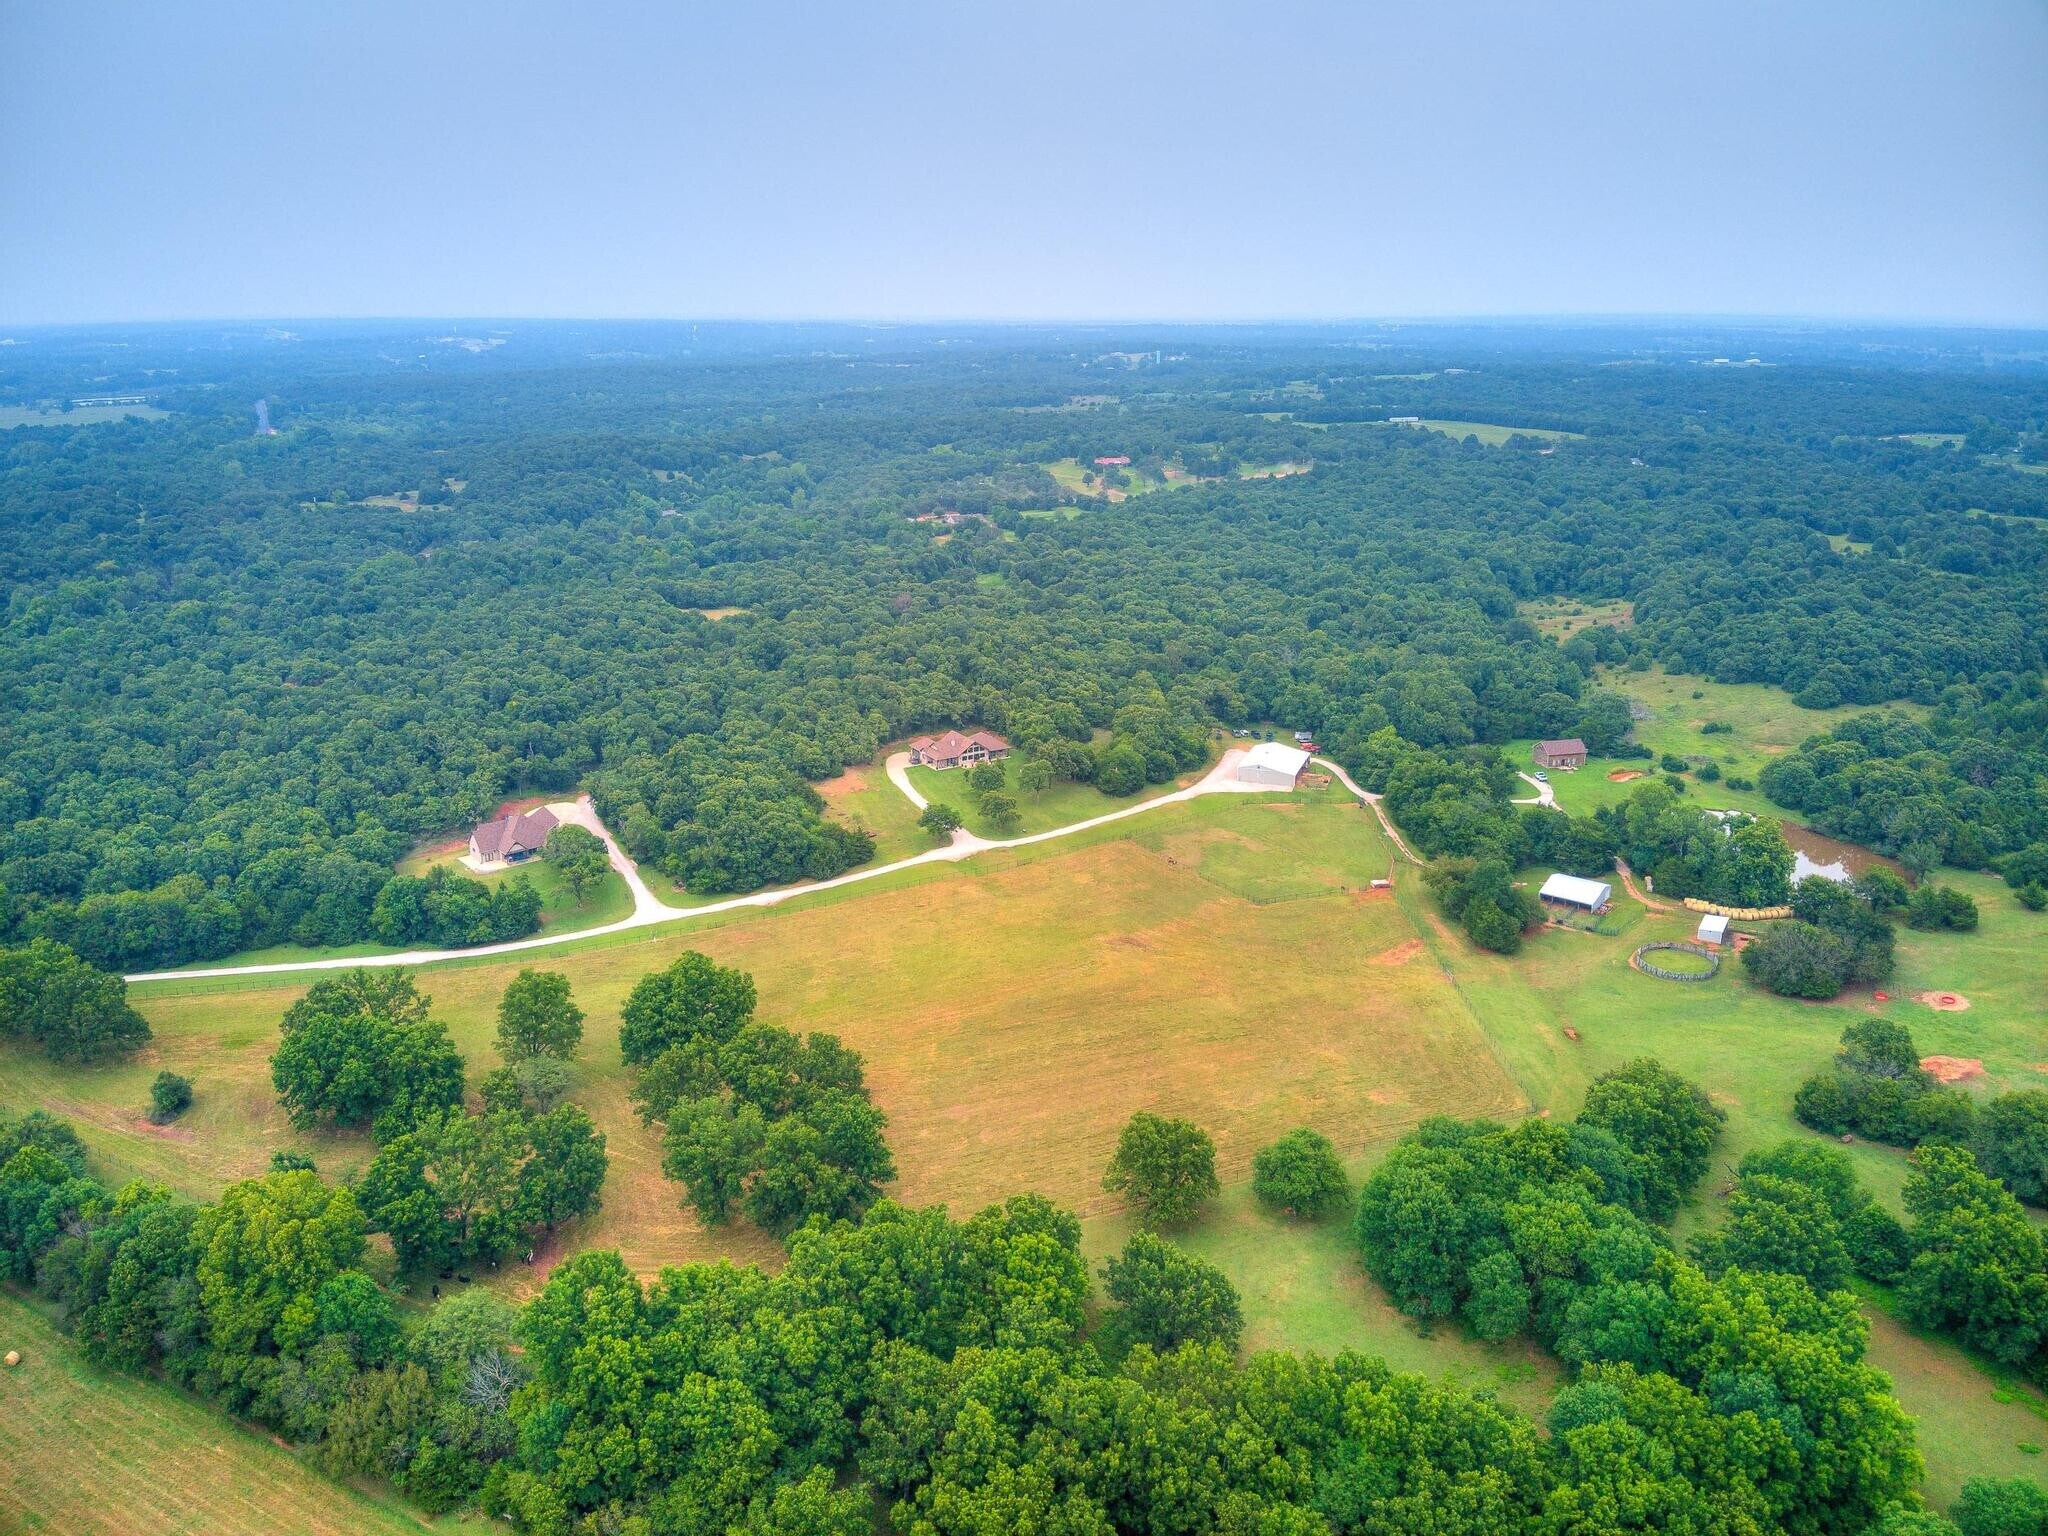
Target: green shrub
x,y
169,1097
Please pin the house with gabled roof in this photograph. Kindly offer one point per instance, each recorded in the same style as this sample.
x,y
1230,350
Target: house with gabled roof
x,y
1568,754
512,839
954,750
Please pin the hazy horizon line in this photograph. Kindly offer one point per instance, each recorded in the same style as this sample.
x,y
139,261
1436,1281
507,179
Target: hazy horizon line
x,y
1011,322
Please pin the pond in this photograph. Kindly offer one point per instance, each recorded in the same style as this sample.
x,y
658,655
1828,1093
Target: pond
x,y
1815,853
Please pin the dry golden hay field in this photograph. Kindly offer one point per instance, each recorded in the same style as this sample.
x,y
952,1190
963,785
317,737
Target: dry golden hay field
x,y
1219,961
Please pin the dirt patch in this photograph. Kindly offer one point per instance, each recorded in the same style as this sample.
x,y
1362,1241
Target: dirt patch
x,y
851,780
1400,954
1951,1069
149,1127
1623,775
1943,1002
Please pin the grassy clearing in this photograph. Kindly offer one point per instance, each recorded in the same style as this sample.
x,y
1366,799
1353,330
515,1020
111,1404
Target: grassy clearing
x,y
715,614
1071,475
1563,617
863,797
1059,804
1842,544
77,416
1765,724
1303,1288
1491,433
88,1452
1932,439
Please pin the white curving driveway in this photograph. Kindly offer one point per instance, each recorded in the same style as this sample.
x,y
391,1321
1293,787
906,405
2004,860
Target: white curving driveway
x,y
650,910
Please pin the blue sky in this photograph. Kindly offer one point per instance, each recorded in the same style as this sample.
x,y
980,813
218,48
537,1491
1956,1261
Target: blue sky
x,y
1026,161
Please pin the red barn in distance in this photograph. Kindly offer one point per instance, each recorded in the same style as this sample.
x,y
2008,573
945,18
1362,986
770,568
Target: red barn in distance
x,y
1113,461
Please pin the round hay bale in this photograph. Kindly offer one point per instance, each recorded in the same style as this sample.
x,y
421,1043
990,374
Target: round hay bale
x,y
13,1358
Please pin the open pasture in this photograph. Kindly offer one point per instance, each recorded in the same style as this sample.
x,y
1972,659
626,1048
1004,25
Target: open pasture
x,y
77,416
1222,959
1764,724
1492,434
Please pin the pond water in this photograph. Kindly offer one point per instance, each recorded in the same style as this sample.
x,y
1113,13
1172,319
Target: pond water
x,y
1815,853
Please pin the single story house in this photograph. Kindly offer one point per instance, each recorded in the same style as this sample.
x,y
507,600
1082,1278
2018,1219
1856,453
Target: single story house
x,y
512,838
1567,754
1113,461
1571,891
1272,766
953,750
1713,929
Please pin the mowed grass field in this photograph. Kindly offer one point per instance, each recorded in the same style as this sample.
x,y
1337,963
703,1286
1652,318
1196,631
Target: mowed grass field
x,y
1221,959
86,1452
1491,433
77,416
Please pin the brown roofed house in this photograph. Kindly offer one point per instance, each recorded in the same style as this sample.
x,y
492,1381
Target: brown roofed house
x,y
1567,754
953,750
510,839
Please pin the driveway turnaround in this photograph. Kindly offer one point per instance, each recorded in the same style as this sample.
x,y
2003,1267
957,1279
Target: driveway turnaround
x,y
650,910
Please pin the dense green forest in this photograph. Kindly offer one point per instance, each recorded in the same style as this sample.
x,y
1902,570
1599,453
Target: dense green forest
x,y
244,674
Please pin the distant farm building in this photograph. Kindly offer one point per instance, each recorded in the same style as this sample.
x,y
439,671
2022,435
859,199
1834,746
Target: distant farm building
x,y
1113,461
953,750
1567,754
1272,766
511,839
1713,929
1571,891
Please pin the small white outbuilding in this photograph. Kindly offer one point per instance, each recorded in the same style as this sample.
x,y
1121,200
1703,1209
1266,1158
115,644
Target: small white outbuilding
x,y
1713,929
1571,891
1272,766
